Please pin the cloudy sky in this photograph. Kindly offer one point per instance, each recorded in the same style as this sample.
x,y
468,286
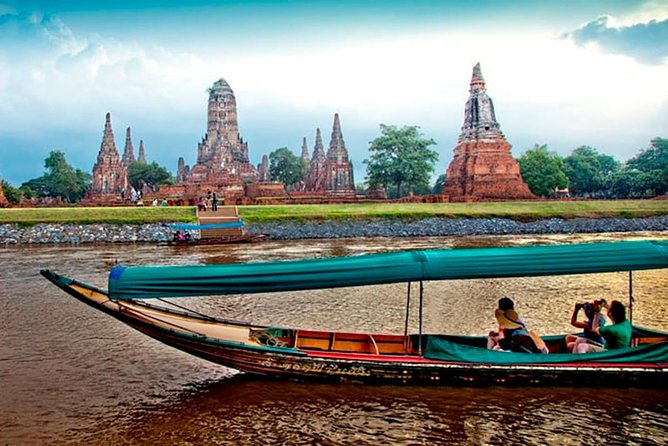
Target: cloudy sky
x,y
563,73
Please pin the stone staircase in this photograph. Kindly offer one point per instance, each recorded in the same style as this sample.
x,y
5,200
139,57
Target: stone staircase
x,y
224,214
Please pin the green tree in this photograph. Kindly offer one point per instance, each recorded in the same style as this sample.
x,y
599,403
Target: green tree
x,y
588,171
286,167
27,192
542,170
151,175
60,179
12,194
438,186
632,183
400,157
654,161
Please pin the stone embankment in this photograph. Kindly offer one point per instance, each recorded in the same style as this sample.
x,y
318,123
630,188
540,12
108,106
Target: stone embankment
x,y
429,227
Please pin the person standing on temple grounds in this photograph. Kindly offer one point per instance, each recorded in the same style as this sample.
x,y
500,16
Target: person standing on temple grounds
x,y
214,202
208,199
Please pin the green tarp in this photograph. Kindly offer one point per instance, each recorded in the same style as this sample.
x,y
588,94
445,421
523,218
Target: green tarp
x,y
447,350
265,277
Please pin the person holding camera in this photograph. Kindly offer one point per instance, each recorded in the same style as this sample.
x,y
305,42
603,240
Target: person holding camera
x,y
586,325
616,336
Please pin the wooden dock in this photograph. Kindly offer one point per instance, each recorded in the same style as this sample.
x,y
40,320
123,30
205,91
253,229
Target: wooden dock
x,y
224,214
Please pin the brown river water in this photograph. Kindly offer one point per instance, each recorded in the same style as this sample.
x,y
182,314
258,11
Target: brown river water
x,y
72,375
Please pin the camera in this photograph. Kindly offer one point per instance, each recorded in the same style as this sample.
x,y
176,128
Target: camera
x,y
589,306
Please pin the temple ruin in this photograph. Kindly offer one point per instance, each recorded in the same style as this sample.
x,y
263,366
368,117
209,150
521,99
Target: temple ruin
x,y
3,200
128,152
110,175
482,167
222,155
330,173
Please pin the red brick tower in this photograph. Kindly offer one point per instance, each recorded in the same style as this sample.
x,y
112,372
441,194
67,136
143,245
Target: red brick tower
x,y
482,167
3,200
339,170
109,175
316,173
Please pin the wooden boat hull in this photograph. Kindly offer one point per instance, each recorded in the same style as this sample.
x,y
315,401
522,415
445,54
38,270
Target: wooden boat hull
x,y
232,344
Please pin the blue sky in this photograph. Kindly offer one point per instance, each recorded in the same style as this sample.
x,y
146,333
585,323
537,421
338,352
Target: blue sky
x,y
561,73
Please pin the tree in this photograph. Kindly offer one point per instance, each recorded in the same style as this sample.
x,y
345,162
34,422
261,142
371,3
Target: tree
x,y
438,186
588,171
400,157
286,167
151,175
654,161
542,170
60,180
12,194
632,183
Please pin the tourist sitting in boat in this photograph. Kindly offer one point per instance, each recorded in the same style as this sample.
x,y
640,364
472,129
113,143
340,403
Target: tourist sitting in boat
x,y
499,340
585,325
617,335
513,334
179,237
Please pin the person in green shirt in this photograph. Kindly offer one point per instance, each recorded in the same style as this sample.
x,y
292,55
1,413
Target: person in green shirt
x,y
617,335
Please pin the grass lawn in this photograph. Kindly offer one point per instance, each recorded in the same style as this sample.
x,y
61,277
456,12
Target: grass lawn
x,y
523,211
82,215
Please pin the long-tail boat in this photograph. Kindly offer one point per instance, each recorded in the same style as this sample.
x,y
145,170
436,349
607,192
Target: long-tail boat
x,y
301,354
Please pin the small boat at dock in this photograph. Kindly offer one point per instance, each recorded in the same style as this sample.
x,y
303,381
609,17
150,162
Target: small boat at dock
x,y
418,357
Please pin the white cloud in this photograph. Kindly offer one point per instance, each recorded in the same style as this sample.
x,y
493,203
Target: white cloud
x,y
650,10
646,42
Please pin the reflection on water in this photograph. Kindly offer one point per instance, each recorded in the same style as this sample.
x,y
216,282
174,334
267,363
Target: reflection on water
x,y
266,412
71,375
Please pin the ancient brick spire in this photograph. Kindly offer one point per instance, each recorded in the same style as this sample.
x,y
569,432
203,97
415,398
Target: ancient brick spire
x,y
181,170
128,153
318,149
108,146
479,117
109,174
3,199
337,148
222,155
305,156
482,167
316,172
338,170
263,170
142,154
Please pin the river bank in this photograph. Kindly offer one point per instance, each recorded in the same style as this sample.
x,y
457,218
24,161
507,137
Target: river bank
x,y
12,234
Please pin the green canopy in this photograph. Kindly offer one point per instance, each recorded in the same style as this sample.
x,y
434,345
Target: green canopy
x,y
240,278
443,349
